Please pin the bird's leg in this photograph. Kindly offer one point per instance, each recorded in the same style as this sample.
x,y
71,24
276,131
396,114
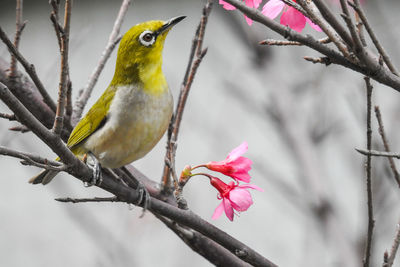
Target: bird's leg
x,y
144,195
97,179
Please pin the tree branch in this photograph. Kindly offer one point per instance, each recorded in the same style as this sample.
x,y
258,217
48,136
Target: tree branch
x,y
112,42
371,33
64,73
173,131
29,68
19,28
394,249
371,220
386,145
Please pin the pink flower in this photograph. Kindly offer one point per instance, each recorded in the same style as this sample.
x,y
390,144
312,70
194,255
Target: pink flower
x,y
234,197
249,3
290,16
234,165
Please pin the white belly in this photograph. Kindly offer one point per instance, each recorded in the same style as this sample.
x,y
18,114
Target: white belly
x,y
136,122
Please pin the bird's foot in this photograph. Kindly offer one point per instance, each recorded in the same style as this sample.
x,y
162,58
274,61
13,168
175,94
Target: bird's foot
x,y
96,167
144,197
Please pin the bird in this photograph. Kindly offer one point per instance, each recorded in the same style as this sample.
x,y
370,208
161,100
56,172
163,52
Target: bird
x,y
133,113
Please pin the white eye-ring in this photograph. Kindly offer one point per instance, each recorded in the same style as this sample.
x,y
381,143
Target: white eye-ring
x,y
147,38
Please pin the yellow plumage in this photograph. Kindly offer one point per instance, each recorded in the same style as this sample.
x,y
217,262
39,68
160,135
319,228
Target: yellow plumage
x,y
134,111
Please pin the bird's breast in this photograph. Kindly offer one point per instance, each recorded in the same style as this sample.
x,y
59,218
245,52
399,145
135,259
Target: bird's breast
x,y
136,121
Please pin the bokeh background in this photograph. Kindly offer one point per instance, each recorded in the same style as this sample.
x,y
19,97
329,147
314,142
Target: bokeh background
x,y
302,122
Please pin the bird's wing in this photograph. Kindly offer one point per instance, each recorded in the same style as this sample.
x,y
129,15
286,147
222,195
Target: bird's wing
x,y
93,120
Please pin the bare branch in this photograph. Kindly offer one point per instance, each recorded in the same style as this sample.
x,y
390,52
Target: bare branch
x,y
19,128
325,40
322,60
371,33
377,153
395,247
371,220
386,144
357,46
10,117
199,53
55,20
29,68
332,20
112,42
31,159
62,89
85,200
210,250
19,28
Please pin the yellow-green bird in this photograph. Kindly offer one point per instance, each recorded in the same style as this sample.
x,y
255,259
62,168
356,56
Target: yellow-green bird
x,y
134,111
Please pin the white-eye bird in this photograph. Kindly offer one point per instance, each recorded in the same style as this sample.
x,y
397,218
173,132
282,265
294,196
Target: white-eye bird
x,y
134,111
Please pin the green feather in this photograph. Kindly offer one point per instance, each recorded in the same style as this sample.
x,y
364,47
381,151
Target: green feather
x,y
93,119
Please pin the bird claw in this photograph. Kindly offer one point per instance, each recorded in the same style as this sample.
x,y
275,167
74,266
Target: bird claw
x,y
144,197
97,177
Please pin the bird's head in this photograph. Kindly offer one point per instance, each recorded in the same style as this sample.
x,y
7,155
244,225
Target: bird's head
x,y
140,50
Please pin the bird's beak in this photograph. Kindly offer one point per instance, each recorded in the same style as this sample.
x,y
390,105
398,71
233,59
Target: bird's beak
x,y
167,25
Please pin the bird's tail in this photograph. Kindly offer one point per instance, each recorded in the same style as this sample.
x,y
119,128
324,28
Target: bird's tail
x,y
44,177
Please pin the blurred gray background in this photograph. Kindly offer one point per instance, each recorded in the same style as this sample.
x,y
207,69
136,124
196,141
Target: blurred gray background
x,y
302,123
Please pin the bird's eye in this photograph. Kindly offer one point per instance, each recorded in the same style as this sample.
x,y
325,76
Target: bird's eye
x,y
147,38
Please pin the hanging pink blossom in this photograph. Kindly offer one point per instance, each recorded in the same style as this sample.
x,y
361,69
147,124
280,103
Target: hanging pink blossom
x,y
234,165
233,196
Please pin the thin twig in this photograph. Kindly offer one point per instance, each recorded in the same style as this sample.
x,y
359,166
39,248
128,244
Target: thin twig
x,y
279,42
371,33
198,53
19,28
386,144
371,220
62,89
10,117
112,42
325,40
360,31
326,28
333,21
357,46
321,60
377,153
68,107
31,159
19,128
55,20
395,247
84,200
29,68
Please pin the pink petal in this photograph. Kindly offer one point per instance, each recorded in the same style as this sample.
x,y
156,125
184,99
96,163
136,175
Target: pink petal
x,y
226,5
228,209
294,19
313,25
248,20
253,3
218,211
241,199
272,8
241,176
252,186
237,152
242,163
